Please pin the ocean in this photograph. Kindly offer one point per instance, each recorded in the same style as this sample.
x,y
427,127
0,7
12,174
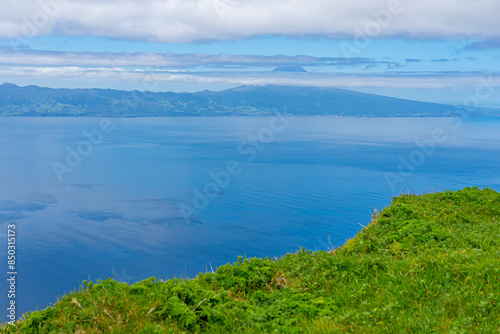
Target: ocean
x,y
94,198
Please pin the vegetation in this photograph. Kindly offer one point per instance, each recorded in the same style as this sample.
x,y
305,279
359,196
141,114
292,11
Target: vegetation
x,y
245,100
425,264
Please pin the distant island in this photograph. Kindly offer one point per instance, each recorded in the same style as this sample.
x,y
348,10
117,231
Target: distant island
x,y
240,101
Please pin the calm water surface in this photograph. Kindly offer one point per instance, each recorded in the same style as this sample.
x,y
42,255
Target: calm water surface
x,y
117,211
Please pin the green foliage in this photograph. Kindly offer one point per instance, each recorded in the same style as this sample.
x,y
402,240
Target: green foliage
x,y
245,100
425,264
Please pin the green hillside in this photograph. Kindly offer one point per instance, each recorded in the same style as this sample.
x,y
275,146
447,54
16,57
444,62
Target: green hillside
x,y
240,101
425,264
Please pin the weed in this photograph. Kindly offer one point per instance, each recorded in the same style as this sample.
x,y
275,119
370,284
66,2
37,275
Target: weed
x,y
427,264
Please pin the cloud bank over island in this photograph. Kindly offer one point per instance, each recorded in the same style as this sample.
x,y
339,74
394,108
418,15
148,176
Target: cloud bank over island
x,y
213,44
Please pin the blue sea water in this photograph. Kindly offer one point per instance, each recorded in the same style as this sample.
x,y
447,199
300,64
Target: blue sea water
x,y
170,197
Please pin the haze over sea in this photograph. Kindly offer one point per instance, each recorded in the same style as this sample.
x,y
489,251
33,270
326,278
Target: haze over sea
x,y
304,182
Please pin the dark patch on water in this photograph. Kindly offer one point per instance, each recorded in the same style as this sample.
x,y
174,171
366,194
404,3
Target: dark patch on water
x,y
16,206
10,217
97,216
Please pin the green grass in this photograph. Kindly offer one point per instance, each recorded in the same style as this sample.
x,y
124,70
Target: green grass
x,y
425,264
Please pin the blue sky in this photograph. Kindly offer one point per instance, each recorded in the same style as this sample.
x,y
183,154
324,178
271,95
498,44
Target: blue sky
x,y
440,52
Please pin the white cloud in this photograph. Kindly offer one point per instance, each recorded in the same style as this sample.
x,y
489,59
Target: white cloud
x,y
10,56
115,76
180,21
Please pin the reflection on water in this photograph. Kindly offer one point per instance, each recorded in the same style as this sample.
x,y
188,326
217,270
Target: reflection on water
x,y
117,211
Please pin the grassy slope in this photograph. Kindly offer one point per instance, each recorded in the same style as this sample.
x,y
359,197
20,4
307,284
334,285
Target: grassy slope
x,y
425,264
244,100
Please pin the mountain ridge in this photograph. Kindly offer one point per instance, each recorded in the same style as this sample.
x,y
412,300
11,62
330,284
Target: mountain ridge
x,y
239,101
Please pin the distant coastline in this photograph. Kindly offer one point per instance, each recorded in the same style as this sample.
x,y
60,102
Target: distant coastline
x,y
34,101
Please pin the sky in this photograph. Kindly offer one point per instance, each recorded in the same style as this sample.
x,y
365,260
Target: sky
x,y
445,51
